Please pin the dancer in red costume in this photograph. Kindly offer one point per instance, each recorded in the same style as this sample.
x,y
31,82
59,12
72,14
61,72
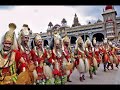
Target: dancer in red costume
x,y
67,52
9,57
57,58
97,51
39,55
81,62
25,50
105,52
113,56
89,50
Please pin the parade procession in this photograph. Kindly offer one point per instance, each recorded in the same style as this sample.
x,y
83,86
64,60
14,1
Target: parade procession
x,y
21,64
76,54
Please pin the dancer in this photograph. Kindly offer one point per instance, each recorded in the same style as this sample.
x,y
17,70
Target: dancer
x,y
67,52
113,56
10,57
97,51
39,55
25,50
57,59
105,51
81,62
89,50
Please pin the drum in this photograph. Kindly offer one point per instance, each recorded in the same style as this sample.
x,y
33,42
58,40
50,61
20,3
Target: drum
x,y
69,66
81,66
24,78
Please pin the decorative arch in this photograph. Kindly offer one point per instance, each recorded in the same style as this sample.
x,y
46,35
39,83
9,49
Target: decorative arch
x,y
99,37
73,40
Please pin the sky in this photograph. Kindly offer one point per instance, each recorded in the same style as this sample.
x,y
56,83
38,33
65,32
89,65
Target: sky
x,y
38,17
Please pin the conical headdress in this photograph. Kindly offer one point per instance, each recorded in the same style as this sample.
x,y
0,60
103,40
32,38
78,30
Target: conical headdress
x,y
25,30
79,40
88,42
66,39
37,37
9,35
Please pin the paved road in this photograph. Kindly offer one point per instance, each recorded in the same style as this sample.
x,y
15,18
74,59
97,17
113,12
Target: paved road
x,y
109,77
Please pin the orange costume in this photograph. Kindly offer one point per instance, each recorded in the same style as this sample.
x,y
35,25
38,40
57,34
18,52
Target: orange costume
x,y
105,55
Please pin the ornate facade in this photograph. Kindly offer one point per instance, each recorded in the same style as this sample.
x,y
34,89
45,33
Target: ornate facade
x,y
108,28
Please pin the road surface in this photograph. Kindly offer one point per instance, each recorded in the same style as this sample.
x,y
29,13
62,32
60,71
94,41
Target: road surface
x,y
109,77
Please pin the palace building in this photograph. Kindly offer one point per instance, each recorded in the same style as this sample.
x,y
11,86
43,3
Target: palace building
x,y
108,28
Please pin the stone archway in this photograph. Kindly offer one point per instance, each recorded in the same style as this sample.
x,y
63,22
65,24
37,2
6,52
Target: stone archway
x,y
45,42
84,37
99,37
73,40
